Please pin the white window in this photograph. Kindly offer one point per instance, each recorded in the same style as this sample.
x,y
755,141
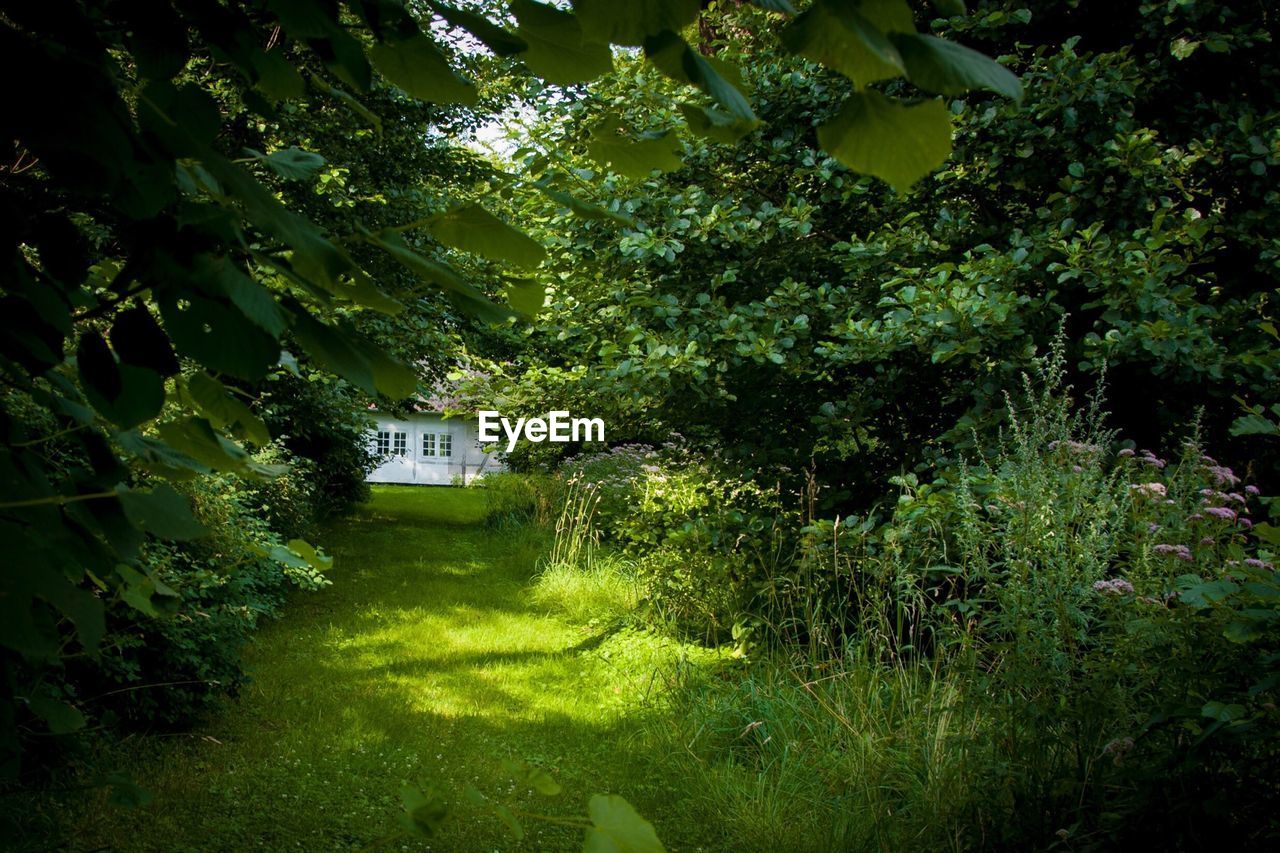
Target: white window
x,y
400,443
383,445
428,444
446,444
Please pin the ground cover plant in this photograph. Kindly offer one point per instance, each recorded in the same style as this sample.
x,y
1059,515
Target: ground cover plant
x,y
936,348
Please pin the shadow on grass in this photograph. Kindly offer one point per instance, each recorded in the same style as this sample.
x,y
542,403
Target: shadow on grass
x,y
424,661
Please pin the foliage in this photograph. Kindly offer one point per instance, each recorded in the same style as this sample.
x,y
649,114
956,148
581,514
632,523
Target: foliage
x,y
764,285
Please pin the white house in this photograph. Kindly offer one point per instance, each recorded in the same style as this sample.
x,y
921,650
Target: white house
x,y
429,449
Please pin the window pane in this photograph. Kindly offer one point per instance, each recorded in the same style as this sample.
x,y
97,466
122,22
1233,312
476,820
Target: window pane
x,y
384,443
428,444
401,443
446,444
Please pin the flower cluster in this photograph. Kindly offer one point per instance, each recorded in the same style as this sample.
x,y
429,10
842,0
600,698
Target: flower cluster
x,y
1115,586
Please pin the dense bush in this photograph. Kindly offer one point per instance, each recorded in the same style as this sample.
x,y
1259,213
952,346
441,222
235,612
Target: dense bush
x,y
166,672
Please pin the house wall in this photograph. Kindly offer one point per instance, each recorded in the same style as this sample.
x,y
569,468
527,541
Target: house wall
x,y
414,450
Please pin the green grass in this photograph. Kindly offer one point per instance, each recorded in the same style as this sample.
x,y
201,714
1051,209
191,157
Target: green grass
x,y
427,659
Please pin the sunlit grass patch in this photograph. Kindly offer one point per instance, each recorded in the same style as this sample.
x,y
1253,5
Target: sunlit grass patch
x,y
427,658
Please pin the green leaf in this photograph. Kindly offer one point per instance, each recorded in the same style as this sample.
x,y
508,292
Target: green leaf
x,y
543,782
783,6
1222,712
714,124
146,594
315,559
275,77
125,793
617,827
634,159
895,142
292,164
161,512
556,50
416,65
950,8
526,296
586,210
315,258
123,394
629,23
509,819
317,24
61,717
195,437
673,56
947,68
218,336
341,349
424,810
494,37
471,228
852,37
224,411
138,340
467,297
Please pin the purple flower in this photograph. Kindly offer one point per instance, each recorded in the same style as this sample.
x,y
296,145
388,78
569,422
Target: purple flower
x,y
1223,475
1116,586
1195,516
1152,527
1252,490
1126,452
1237,497
1223,512
1245,523
1076,469
1150,489
1182,552
1258,564
1208,540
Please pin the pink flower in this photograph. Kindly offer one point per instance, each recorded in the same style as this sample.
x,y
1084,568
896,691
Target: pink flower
x,y
1150,489
1116,586
1126,452
1223,475
1182,552
1223,512
1252,490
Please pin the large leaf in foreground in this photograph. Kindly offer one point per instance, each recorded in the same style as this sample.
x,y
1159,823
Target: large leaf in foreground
x,y
895,142
634,158
947,68
557,51
471,228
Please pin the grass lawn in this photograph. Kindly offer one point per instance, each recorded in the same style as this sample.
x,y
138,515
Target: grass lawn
x,y
426,659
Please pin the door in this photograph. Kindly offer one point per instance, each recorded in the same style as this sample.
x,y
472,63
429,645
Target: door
x,y
436,451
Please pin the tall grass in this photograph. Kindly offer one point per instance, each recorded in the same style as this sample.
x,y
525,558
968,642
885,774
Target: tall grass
x,y
578,578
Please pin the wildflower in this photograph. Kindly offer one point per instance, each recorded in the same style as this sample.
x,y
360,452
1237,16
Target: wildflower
x,y
1149,458
1237,497
1195,516
1126,452
1152,527
1252,490
1115,586
1245,523
1182,552
1223,512
1118,749
1150,489
1258,564
1208,540
1223,475
1076,469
